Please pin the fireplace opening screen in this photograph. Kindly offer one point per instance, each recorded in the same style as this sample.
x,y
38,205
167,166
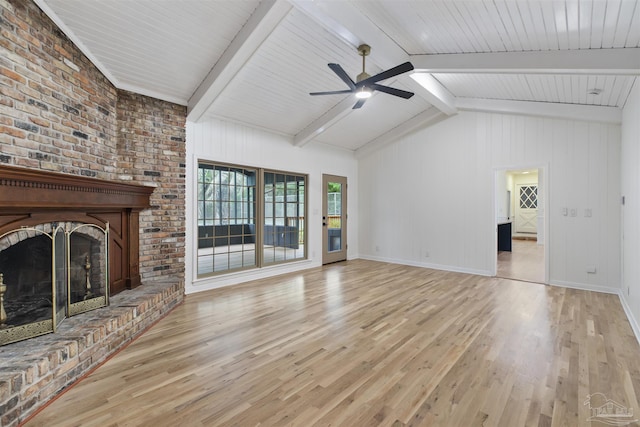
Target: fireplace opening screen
x,y
48,273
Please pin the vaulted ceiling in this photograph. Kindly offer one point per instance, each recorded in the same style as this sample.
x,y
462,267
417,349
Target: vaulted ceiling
x,y
255,62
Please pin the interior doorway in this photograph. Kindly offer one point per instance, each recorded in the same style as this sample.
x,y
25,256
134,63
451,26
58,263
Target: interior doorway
x,y
334,218
521,225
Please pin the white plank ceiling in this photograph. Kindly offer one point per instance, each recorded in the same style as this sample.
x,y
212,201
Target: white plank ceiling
x,y
445,26
161,48
254,62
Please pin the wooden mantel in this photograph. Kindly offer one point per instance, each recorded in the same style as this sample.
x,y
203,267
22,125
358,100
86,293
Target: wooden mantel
x,y
29,197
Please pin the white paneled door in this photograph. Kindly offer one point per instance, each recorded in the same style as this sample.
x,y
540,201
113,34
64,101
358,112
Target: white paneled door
x,y
527,208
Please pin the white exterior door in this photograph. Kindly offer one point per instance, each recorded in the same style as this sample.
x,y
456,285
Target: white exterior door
x,y
526,208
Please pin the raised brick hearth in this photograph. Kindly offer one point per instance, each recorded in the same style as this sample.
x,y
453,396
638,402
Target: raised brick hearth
x,y
34,371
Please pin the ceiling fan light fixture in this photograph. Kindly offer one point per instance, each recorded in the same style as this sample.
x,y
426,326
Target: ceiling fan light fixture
x,y
363,93
365,85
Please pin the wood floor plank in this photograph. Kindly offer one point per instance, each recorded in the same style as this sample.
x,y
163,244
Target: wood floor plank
x,y
364,343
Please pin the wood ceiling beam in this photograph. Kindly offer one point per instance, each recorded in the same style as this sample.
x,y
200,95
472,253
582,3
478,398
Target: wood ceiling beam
x,y
585,61
260,25
590,113
435,93
428,117
324,122
349,24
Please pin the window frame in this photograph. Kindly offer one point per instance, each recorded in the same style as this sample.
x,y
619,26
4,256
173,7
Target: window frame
x,y
253,211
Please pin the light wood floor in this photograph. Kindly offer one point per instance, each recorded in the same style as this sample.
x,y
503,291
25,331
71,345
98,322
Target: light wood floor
x,y
524,262
363,343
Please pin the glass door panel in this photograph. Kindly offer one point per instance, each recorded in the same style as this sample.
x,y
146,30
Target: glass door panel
x,y
87,269
61,274
334,217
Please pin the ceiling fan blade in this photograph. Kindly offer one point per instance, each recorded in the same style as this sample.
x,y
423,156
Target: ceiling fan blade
x,y
343,75
359,104
333,92
392,91
391,72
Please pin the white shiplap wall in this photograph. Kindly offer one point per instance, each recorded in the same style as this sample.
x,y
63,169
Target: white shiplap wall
x,y
428,199
227,142
630,172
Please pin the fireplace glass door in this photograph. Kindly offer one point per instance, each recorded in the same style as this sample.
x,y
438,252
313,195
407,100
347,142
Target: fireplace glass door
x,y
61,277
49,272
87,268
26,280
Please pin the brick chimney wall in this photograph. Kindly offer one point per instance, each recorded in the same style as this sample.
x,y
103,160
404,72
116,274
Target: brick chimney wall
x,y
58,112
151,151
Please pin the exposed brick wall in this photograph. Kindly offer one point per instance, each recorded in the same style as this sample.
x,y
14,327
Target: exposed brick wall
x,y
53,117
151,146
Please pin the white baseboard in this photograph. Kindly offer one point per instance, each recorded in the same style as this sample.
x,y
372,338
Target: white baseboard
x,y
223,280
427,265
585,287
635,326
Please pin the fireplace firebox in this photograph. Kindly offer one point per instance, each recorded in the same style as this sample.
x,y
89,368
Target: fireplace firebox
x,y
48,273
66,244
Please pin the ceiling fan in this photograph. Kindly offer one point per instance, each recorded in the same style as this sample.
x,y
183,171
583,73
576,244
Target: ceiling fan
x,y
365,84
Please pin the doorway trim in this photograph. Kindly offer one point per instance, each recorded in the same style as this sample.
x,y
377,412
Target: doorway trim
x,y
543,172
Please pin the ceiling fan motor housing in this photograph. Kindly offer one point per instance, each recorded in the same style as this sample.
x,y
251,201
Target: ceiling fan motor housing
x,y
362,76
364,49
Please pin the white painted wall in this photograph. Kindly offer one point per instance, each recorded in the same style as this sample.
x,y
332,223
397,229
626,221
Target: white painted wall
x,y
502,199
512,206
428,199
233,143
630,175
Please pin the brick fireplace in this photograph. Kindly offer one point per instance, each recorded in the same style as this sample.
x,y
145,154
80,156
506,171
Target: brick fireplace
x,y
37,203
83,143
40,211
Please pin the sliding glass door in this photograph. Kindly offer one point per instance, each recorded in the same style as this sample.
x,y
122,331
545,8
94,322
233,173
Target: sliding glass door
x,y
283,237
226,218
248,217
